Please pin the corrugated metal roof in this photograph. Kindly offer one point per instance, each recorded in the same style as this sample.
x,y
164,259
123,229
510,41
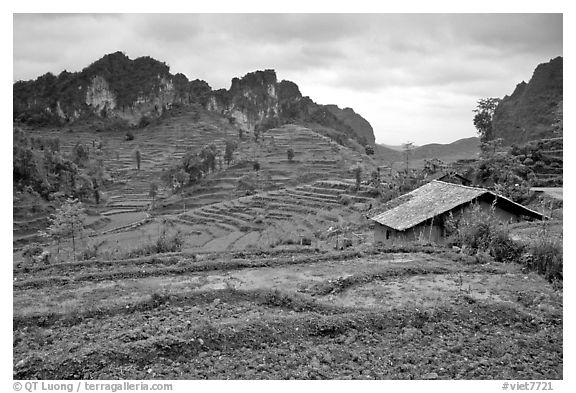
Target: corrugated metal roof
x,y
430,200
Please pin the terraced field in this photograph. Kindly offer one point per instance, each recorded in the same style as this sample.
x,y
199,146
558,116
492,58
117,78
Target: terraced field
x,y
162,145
300,314
549,170
316,214
268,219
316,157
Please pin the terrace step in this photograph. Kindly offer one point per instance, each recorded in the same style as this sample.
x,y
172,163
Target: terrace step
x,y
226,222
297,195
307,192
198,219
118,211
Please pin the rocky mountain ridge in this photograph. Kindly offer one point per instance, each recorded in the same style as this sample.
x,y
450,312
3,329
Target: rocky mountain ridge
x,y
135,91
534,110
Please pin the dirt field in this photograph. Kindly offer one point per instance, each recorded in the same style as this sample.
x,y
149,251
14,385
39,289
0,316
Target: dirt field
x,y
286,314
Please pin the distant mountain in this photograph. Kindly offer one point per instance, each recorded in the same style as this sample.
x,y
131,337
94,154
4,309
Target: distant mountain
x,y
534,109
462,148
384,153
134,91
394,147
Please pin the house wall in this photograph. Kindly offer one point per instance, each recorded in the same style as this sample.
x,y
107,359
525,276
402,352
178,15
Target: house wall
x,y
427,233
503,215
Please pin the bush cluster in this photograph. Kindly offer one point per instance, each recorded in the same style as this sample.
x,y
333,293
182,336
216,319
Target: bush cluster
x,y
345,200
479,231
164,243
247,184
39,166
546,258
91,251
31,250
481,234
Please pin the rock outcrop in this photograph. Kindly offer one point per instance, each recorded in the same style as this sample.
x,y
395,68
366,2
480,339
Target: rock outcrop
x,y
534,109
258,100
112,87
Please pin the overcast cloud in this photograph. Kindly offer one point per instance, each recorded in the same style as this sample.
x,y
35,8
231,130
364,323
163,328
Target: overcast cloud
x,y
414,77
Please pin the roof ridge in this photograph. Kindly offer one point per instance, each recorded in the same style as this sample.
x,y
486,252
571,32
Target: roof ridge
x,y
461,185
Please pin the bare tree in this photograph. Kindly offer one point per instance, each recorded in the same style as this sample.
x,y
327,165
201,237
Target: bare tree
x,y
357,175
290,154
407,148
231,146
68,222
153,192
138,157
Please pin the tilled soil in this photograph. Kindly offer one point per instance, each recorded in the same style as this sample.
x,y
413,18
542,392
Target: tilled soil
x,y
309,331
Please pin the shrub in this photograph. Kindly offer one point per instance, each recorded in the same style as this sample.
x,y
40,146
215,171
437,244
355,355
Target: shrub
x,y
143,122
345,243
163,244
481,258
169,243
475,236
31,250
479,231
345,200
504,249
129,136
546,257
91,251
247,183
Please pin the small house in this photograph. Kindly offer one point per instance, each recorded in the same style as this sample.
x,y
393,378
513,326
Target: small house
x,y
422,213
450,177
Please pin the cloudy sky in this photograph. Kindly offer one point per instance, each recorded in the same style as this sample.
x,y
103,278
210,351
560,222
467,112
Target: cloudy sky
x,y
414,77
